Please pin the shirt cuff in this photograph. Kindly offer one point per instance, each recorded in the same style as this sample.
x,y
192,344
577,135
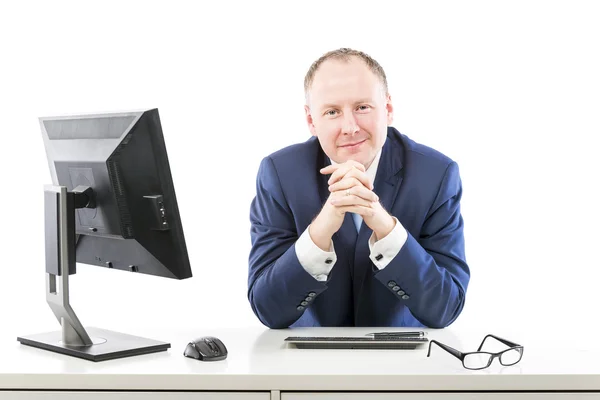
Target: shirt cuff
x,y
315,261
385,249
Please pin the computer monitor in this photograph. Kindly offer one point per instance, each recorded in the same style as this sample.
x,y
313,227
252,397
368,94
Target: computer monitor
x,y
112,204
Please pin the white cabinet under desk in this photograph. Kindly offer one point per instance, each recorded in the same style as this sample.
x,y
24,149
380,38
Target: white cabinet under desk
x,y
440,396
261,366
93,395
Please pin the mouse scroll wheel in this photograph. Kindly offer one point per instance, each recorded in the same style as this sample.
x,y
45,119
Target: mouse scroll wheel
x,y
212,345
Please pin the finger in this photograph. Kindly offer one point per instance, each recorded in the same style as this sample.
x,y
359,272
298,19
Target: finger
x,y
342,171
356,175
329,169
356,164
349,162
364,193
339,173
355,187
350,200
345,183
362,177
360,210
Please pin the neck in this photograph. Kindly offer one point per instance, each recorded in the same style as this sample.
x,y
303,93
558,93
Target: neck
x,y
368,165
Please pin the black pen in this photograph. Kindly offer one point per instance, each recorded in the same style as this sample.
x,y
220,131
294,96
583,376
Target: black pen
x,y
396,334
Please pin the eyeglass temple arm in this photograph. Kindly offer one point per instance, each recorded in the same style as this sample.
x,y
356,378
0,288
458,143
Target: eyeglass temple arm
x,y
506,342
449,349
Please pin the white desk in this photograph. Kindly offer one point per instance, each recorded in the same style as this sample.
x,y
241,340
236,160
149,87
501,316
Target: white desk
x,y
260,366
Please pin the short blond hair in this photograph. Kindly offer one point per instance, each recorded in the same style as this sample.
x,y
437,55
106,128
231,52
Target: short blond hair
x,y
345,54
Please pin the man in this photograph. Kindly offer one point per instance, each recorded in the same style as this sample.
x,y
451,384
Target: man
x,y
359,225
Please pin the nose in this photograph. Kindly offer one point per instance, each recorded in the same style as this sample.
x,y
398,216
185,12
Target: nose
x,y
349,127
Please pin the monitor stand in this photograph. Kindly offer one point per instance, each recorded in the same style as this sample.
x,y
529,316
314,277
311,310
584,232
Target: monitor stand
x,y
74,340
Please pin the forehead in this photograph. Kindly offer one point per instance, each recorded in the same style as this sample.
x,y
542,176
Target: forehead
x,y
338,81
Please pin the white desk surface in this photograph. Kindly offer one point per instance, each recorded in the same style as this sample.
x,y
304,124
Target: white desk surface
x,y
259,360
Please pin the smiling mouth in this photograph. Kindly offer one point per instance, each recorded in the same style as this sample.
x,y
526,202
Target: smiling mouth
x,y
352,145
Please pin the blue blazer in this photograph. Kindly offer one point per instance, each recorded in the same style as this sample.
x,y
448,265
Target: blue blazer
x,y
424,285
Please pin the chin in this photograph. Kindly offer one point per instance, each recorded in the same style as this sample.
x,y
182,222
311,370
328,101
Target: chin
x,y
361,157
355,157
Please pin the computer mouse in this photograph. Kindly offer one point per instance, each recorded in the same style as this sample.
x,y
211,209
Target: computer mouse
x,y
207,348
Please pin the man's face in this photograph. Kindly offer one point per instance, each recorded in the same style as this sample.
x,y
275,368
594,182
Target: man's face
x,y
348,110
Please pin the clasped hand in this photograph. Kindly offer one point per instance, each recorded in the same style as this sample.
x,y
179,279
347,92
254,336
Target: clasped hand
x,y
351,191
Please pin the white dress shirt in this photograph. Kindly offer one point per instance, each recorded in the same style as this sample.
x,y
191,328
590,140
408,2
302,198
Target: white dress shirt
x,y
319,263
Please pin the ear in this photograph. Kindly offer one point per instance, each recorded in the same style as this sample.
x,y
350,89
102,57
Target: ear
x,y
389,109
309,121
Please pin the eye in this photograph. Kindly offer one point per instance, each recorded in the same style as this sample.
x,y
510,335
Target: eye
x,y
363,107
331,113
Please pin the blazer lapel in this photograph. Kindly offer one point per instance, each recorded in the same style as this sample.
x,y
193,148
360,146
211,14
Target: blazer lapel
x,y
388,177
322,162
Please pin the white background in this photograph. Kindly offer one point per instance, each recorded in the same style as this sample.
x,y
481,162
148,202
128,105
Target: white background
x,y
508,89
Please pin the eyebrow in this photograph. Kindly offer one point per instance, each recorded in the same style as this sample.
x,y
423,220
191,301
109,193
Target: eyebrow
x,y
330,105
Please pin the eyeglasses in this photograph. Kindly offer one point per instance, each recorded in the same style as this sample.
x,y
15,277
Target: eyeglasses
x,y
481,359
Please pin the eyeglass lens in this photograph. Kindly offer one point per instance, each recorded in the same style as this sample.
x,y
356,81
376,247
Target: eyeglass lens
x,y
477,360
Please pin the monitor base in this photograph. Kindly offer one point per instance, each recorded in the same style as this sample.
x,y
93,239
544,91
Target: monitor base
x,y
107,345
